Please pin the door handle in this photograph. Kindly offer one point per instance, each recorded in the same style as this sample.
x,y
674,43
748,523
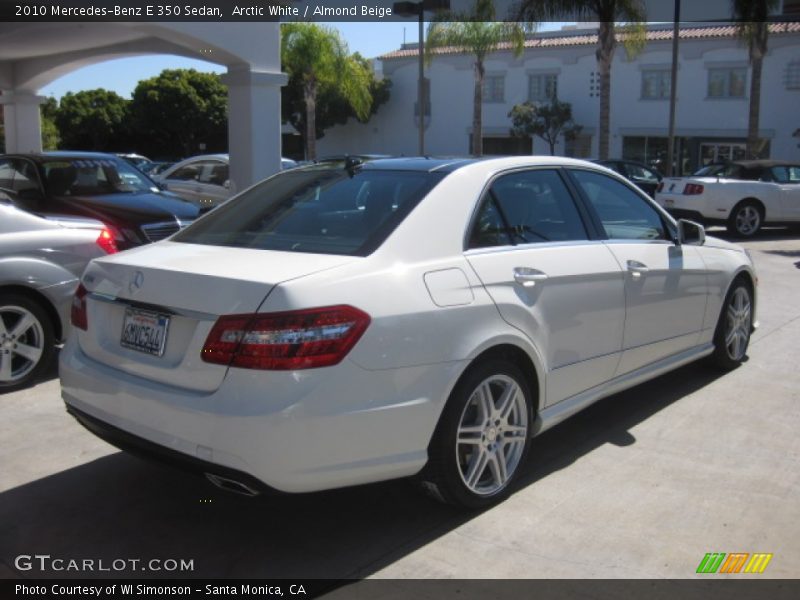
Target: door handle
x,y
637,269
528,277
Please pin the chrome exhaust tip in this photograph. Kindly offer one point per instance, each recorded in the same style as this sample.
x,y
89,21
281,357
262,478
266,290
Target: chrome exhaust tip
x,y
231,485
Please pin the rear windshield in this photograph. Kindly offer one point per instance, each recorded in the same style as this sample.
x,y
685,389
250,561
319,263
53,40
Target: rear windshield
x,y
322,210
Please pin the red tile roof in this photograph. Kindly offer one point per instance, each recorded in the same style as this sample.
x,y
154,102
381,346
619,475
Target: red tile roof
x,y
590,39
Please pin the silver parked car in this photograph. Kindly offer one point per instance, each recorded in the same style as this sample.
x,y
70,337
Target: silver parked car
x,y
40,264
203,180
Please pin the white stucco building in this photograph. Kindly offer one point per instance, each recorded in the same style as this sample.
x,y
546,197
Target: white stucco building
x,y
712,108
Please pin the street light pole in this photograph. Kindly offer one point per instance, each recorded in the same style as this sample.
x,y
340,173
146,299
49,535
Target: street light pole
x,y
673,89
421,83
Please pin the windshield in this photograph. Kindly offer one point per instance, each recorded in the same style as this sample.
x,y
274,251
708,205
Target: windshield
x,y
94,177
325,210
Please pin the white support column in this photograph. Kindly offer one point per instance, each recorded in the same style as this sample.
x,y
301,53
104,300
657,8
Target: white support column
x,y
254,125
22,121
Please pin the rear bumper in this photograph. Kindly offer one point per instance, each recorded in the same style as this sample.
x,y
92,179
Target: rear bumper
x,y
146,449
295,431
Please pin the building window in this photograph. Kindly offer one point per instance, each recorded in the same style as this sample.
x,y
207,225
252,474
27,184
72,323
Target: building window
x,y
494,87
542,88
792,76
579,146
726,83
656,84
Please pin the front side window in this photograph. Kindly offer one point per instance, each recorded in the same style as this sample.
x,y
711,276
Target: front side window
x,y
656,84
542,87
213,172
94,177
324,210
624,214
525,208
494,88
726,83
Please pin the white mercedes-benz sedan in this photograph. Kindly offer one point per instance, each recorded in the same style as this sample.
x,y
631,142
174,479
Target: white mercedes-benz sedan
x,y
346,323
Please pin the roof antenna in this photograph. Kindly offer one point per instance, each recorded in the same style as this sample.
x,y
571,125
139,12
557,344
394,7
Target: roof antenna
x,y
352,164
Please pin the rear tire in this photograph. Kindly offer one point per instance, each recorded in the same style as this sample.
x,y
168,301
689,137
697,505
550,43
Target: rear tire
x,y
732,335
482,438
26,341
746,219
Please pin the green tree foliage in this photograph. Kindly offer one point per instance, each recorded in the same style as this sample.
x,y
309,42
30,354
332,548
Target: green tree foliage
x,y
50,134
753,30
548,121
333,108
317,59
476,34
92,120
177,111
607,12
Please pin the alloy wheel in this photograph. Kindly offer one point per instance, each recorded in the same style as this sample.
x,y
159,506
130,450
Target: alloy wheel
x,y
748,220
22,342
491,435
738,324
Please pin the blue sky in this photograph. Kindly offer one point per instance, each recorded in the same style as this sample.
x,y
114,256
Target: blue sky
x,y
122,75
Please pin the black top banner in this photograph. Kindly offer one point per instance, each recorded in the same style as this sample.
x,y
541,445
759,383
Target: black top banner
x,y
312,10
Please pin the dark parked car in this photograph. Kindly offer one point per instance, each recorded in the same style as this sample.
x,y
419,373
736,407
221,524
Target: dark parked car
x,y
646,178
99,186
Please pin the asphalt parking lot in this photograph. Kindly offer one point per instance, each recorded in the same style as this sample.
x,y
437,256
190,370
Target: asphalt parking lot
x,y
640,485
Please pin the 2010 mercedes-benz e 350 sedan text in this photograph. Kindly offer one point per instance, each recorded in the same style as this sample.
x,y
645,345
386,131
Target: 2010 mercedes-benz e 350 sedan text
x,y
347,323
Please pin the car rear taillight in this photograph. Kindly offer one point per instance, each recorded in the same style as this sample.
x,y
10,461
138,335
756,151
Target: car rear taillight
x,y
660,186
78,316
106,241
298,339
692,189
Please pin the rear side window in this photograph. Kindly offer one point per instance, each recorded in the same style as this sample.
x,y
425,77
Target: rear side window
x,y
624,214
325,210
527,207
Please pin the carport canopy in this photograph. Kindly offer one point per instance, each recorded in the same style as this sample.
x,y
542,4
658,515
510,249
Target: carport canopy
x,y
33,55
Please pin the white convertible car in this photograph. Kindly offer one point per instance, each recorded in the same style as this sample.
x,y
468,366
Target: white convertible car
x,y
345,323
744,195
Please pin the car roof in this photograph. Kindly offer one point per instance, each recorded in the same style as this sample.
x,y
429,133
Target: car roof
x,y
43,156
763,163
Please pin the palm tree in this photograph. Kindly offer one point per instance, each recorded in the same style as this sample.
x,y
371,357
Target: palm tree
x,y
477,35
753,30
318,56
607,12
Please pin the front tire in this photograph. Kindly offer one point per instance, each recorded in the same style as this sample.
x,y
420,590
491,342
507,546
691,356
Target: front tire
x,y
746,219
26,341
482,438
732,335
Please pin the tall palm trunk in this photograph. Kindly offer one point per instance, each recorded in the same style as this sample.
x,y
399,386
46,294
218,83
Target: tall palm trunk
x,y
757,51
310,97
477,110
605,54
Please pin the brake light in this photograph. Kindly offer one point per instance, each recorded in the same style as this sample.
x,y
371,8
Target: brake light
x,y
660,186
78,316
299,339
692,189
106,241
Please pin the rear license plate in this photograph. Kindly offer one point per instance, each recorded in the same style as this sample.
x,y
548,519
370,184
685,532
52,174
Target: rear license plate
x,y
144,331
669,202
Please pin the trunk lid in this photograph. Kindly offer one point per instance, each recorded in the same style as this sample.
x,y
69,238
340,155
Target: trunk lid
x,y
188,287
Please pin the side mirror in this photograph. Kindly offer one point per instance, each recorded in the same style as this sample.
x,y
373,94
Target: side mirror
x,y
226,184
691,233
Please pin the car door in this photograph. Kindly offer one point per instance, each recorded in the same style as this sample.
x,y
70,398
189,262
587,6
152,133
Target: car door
x,y
212,188
787,179
183,181
531,249
666,285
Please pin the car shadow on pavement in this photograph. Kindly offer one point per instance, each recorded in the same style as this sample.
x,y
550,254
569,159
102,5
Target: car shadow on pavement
x,y
121,507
